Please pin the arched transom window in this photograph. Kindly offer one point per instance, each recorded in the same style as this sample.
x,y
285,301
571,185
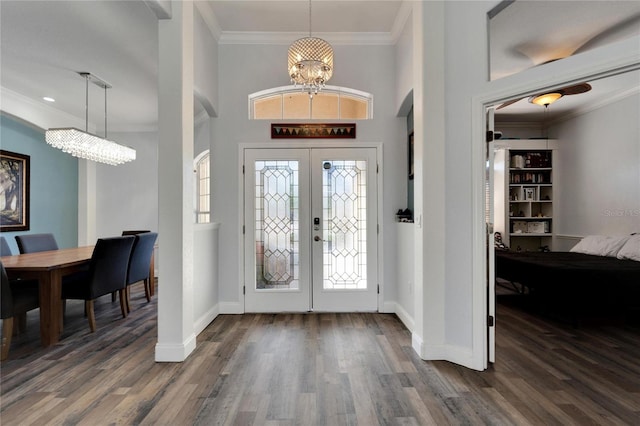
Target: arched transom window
x,y
289,102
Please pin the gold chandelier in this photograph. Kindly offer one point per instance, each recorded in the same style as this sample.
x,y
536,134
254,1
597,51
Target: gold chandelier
x,y
310,62
85,145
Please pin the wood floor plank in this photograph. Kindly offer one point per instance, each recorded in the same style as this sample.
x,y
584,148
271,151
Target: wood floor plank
x,y
318,369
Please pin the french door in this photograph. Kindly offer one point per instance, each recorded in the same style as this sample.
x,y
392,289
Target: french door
x,y
310,230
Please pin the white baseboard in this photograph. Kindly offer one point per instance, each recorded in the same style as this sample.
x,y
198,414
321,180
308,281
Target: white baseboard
x,y
388,308
175,352
406,319
454,354
231,307
206,319
417,344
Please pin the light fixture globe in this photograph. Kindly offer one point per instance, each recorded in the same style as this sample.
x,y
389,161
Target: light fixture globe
x,y
545,99
310,63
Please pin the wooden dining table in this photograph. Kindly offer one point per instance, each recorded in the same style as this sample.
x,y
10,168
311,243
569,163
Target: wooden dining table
x,y
48,267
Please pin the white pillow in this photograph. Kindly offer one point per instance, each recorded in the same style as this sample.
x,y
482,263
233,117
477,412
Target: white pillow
x,y
600,245
631,249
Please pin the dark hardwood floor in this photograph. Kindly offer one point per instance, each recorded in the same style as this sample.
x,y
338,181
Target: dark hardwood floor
x,y
318,369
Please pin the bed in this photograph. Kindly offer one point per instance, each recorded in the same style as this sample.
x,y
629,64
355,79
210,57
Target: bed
x,y
576,282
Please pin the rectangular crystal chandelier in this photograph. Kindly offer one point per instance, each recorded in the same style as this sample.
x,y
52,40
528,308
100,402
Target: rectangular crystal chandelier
x,y
91,147
83,144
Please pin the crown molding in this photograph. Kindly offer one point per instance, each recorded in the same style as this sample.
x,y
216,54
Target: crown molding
x,y
403,16
595,105
45,116
209,18
286,38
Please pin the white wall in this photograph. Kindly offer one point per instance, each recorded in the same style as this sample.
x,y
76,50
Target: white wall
x,y
127,195
205,275
206,66
405,279
598,170
518,130
455,328
201,135
367,68
466,72
404,67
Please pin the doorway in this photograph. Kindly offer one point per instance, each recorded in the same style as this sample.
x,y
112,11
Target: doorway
x,y
310,241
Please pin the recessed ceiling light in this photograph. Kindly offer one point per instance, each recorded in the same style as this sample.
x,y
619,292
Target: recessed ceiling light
x,y
48,99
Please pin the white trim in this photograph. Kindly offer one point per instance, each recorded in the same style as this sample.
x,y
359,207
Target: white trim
x,y
623,57
169,352
196,190
209,226
403,15
569,237
291,88
228,307
204,8
201,323
479,309
388,307
404,316
232,307
284,90
380,224
595,105
417,343
286,38
455,354
45,116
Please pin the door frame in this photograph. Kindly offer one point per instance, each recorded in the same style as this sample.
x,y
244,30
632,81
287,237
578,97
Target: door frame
x,y
497,92
304,143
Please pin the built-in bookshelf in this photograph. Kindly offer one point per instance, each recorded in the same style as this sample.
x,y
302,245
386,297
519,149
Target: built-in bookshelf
x,y
529,198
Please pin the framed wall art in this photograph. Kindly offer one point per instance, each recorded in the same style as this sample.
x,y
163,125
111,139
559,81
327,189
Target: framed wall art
x,y
313,130
14,191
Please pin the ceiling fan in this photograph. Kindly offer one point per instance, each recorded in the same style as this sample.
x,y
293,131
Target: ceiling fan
x,y
546,98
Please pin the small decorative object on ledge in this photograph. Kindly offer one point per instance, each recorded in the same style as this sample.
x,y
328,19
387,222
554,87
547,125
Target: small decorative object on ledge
x,y
313,130
405,215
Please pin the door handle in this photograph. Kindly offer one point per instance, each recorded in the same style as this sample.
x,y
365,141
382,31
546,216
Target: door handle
x,y
317,238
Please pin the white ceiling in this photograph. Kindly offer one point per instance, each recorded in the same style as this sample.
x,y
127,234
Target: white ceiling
x,y
44,43
531,33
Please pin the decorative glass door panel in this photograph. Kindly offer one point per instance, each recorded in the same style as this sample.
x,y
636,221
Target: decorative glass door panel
x,y
345,224
310,243
277,224
344,250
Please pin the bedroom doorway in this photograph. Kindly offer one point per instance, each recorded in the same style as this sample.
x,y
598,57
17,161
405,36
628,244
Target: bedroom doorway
x,y
619,86
311,230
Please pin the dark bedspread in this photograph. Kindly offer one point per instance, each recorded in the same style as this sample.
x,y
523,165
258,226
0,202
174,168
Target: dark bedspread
x,y
568,276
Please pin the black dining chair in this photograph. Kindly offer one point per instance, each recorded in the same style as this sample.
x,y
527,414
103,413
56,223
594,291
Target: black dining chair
x,y
15,300
107,273
32,243
130,232
135,231
140,263
5,250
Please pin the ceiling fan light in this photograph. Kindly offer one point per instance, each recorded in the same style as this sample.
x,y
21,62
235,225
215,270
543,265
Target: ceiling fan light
x,y
545,99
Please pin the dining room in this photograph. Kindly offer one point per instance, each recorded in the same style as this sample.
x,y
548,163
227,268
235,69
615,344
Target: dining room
x,y
51,276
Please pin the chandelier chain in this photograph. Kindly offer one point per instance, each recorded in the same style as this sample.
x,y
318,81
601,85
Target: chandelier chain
x,y
86,104
310,61
83,144
309,18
